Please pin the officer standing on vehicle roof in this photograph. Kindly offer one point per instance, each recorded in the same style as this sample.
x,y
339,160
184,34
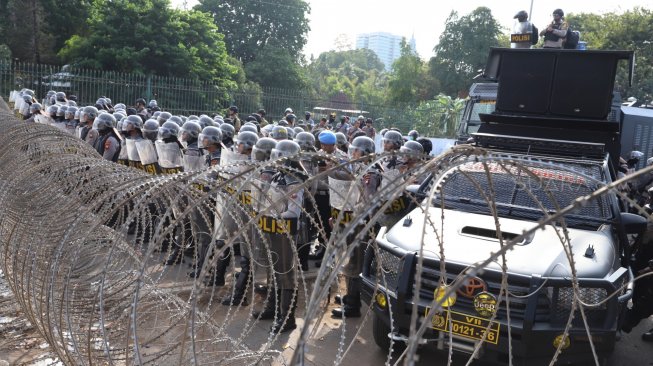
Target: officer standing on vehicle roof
x,y
555,33
524,33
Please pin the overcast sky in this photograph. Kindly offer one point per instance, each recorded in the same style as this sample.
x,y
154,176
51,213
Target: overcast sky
x,y
426,18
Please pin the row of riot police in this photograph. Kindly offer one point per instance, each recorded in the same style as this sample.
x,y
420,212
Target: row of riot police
x,y
294,188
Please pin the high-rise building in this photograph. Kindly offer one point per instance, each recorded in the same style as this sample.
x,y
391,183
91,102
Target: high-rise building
x,y
386,46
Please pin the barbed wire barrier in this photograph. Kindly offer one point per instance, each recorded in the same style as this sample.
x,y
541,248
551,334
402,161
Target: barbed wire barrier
x,y
84,245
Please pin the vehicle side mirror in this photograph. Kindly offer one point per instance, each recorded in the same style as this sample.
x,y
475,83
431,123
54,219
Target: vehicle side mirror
x,y
413,189
633,224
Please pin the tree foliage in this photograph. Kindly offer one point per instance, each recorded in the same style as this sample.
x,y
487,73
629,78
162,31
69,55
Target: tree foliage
x,y
148,37
34,30
463,49
409,81
631,30
285,74
250,26
357,73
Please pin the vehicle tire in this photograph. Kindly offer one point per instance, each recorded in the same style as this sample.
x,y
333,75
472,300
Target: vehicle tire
x,y
380,330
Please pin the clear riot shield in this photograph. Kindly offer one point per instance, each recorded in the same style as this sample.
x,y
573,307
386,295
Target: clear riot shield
x,y
391,180
123,158
343,194
171,159
146,152
194,163
521,36
132,152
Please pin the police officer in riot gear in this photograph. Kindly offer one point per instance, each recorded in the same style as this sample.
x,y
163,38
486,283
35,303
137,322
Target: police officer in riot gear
x,y
193,155
71,123
211,141
524,33
132,127
369,177
35,113
228,132
108,142
279,222
86,117
147,147
244,144
169,149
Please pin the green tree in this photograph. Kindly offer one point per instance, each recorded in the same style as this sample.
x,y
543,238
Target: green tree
x,y
250,26
463,48
437,117
409,80
148,37
34,30
357,73
285,73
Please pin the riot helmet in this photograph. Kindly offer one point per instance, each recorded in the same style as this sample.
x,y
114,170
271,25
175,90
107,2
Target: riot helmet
x,y
291,132
245,141
413,135
72,103
88,114
131,123
341,141
282,122
176,120
35,108
193,117
248,128
163,117
119,115
151,129
263,148
70,113
393,139
285,148
156,114
298,130
279,133
306,141
228,131
52,111
61,111
205,121
104,122
361,146
168,129
60,97
412,148
210,135
190,131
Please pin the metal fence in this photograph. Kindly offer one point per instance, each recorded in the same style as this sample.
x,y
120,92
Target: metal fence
x,y
190,96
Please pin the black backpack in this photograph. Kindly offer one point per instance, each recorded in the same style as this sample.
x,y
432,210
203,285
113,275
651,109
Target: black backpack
x,y
536,35
571,39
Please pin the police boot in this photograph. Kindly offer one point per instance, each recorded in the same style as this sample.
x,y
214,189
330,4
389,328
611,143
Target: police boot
x,y
285,321
271,303
240,288
351,302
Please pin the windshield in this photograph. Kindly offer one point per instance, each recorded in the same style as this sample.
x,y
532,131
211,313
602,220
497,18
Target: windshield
x,y
523,192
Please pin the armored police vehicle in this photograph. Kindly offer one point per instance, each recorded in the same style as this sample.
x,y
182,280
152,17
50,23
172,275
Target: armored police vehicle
x,y
549,140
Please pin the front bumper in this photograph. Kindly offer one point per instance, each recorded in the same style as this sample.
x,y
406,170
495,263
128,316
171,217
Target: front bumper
x,y
534,324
